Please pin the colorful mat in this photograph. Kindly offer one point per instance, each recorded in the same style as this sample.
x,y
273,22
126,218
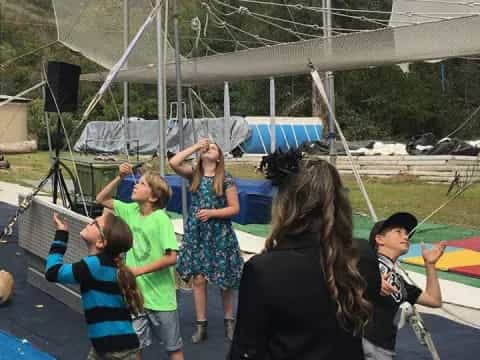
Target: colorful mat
x,y
450,260
472,243
415,250
473,270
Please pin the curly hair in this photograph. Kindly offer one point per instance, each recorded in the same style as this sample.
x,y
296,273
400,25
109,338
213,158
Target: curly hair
x,y
315,201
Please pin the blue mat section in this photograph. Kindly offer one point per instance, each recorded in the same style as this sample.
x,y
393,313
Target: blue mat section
x,y
416,250
13,348
255,197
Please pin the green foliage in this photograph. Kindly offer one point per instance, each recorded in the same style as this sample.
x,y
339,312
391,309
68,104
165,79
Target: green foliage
x,y
379,102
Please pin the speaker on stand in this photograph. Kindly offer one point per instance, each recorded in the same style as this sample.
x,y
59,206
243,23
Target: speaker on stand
x,y
61,96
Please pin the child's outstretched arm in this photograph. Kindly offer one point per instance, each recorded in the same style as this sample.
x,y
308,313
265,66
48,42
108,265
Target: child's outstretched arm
x,y
104,197
55,269
432,295
177,161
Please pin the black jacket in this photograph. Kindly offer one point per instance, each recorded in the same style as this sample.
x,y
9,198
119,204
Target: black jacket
x,y
285,311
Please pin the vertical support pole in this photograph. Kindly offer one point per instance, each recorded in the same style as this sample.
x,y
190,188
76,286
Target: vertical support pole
x,y
179,103
192,115
226,114
126,36
329,79
273,140
160,93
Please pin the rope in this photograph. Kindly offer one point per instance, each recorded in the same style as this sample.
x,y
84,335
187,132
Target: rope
x,y
117,67
202,104
220,23
462,125
340,11
119,117
242,10
318,83
11,61
449,312
19,95
460,192
222,40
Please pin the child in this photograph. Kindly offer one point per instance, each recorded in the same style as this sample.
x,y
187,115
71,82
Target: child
x,y
390,239
210,251
108,288
152,257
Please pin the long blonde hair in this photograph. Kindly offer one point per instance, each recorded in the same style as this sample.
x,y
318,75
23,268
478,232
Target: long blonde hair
x,y
219,174
315,201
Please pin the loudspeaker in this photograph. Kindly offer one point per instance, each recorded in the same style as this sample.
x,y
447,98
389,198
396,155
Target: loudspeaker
x,y
63,79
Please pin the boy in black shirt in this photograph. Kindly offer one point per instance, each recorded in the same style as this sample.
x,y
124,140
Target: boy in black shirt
x,y
390,239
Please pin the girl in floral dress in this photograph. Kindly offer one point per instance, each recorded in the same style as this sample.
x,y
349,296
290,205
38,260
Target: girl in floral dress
x,y
210,251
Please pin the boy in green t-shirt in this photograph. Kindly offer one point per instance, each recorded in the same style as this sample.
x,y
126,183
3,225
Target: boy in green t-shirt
x,y
152,257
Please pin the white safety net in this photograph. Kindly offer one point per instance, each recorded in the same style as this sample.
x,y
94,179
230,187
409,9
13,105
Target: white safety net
x,y
426,41
96,30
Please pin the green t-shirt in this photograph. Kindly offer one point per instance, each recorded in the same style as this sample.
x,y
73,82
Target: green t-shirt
x,y
153,235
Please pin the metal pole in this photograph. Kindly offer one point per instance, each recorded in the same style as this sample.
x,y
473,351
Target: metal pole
x,y
126,36
272,116
179,103
330,84
160,93
192,114
226,115
47,120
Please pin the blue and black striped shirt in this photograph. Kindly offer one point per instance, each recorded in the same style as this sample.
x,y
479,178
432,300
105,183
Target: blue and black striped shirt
x,y
108,318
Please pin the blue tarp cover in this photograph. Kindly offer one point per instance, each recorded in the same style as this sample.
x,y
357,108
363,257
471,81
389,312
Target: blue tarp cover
x,y
255,197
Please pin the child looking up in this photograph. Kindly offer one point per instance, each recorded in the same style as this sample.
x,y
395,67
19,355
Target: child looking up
x,y
210,250
152,257
108,288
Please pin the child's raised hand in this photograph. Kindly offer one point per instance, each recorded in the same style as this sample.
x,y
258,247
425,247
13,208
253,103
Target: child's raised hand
x,y
125,169
202,144
59,223
431,256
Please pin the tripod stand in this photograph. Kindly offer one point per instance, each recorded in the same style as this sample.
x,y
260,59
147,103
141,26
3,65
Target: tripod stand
x,y
59,186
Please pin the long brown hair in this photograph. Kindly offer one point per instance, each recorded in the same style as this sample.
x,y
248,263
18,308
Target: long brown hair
x,y
219,174
315,201
119,240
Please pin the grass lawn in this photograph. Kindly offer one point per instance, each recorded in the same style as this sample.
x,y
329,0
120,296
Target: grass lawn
x,y
387,196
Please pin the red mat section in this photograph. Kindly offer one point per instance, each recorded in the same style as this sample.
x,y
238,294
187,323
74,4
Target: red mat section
x,y
472,243
473,270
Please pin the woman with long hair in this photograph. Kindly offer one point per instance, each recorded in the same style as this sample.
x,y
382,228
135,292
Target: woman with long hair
x,y
304,297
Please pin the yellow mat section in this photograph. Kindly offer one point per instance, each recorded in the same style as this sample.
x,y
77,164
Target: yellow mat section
x,y
450,260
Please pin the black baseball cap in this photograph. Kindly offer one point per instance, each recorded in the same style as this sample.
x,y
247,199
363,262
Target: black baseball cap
x,y
402,219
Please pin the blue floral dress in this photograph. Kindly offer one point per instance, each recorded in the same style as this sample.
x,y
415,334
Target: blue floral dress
x,y
210,248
